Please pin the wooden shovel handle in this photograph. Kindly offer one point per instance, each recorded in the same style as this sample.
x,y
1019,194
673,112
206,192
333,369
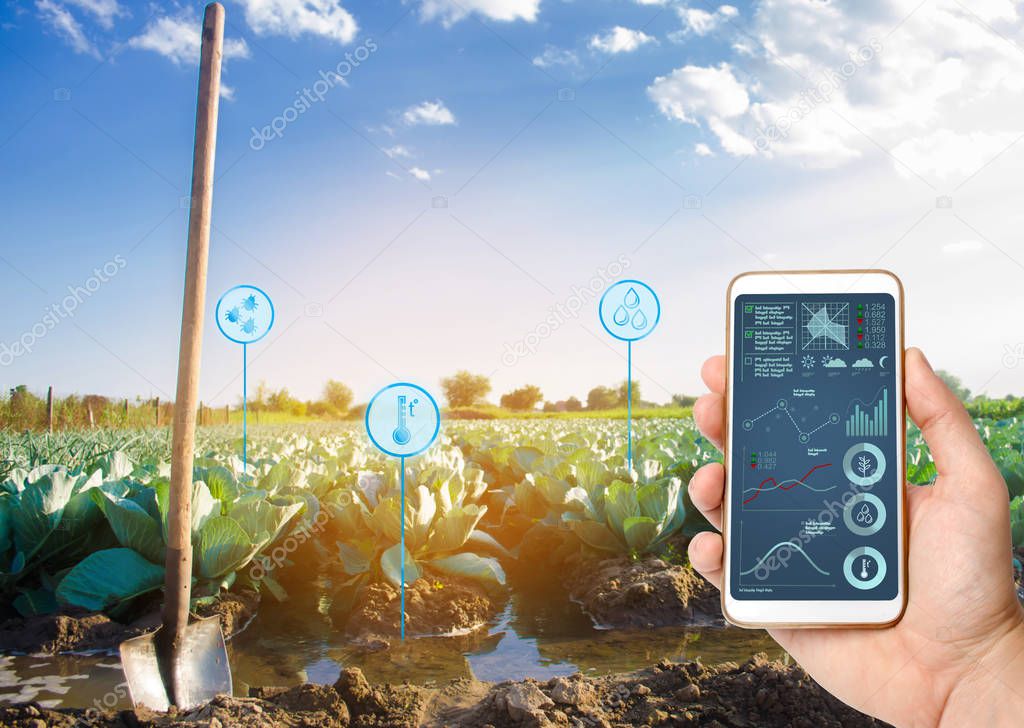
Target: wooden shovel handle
x,y
179,520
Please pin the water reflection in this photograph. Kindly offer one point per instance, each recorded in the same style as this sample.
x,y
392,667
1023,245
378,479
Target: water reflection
x,y
539,634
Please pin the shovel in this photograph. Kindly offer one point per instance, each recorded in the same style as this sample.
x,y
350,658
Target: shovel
x,y
184,664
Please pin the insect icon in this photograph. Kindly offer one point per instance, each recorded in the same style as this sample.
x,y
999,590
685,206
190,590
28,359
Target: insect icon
x,y
244,314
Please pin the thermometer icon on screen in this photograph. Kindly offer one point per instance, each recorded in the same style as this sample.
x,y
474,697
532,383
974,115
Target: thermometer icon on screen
x,y
402,435
863,568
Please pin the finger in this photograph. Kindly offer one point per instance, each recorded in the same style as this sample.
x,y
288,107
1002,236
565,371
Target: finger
x,y
713,374
947,428
707,488
706,556
709,414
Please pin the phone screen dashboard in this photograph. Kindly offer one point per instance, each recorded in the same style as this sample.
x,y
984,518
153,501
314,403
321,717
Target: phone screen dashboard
x,y
814,469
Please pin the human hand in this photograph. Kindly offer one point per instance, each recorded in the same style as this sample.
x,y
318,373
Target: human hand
x,y
957,656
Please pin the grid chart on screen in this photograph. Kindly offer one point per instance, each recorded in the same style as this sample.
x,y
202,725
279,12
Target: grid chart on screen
x,y
825,326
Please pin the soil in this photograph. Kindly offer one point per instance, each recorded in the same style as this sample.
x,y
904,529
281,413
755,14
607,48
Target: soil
x,y
646,593
83,632
431,607
757,693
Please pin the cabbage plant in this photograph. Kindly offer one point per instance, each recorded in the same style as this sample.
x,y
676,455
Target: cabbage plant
x,y
441,527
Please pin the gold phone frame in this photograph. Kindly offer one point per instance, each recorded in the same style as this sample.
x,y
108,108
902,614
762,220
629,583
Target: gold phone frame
x,y
900,408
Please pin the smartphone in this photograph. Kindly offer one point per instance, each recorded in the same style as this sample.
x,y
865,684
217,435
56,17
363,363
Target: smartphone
x,y
815,444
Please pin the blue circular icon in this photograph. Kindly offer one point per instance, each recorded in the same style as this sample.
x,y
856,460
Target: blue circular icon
x,y
244,314
864,568
864,464
402,420
629,310
864,515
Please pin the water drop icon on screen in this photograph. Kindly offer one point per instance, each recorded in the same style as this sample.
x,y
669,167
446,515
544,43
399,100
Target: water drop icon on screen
x,y
631,299
639,321
621,316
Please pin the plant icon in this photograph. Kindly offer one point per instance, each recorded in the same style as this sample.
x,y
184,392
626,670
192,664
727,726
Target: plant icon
x,y
864,465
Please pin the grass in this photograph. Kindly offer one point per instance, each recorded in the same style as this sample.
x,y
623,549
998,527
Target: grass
x,y
490,412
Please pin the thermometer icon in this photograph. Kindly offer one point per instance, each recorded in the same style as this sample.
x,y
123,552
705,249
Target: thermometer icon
x,y
401,435
863,568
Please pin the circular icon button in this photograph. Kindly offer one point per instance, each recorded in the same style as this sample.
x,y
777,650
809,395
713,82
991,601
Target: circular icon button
x,y
402,420
244,314
864,514
629,310
864,568
864,464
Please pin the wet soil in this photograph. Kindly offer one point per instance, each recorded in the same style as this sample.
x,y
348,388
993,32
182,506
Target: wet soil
x,y
757,693
645,593
432,607
84,632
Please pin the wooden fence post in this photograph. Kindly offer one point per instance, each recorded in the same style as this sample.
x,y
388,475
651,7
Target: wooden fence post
x,y
227,414
49,409
92,420
156,410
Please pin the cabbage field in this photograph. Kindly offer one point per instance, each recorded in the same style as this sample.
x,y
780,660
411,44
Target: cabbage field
x,y
310,529
76,508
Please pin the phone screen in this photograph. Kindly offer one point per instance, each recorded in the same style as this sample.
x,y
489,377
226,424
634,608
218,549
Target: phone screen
x,y
815,428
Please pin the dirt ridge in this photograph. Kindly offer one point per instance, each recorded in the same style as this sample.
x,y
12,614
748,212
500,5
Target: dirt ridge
x,y
758,693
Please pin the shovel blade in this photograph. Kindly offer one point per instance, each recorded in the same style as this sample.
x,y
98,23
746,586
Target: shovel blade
x,y
200,670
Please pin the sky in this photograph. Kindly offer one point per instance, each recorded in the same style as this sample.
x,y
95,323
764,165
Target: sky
x,y
476,172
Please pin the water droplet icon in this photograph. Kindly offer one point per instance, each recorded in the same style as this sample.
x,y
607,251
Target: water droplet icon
x,y
639,321
621,316
632,298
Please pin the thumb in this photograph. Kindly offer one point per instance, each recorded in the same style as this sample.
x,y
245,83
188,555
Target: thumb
x,y
955,445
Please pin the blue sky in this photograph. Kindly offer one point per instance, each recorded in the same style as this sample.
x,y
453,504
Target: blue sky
x,y
560,136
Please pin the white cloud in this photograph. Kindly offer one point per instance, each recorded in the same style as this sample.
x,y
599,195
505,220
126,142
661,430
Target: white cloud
x,y
828,83
944,153
703,150
620,40
179,40
392,175
63,23
555,56
652,2
398,150
421,174
431,113
294,18
701,22
452,11
691,93
105,11
227,92
962,246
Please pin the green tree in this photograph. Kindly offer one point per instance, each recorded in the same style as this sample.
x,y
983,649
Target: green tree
x,y
465,389
338,397
522,399
573,404
602,398
623,393
683,400
955,385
